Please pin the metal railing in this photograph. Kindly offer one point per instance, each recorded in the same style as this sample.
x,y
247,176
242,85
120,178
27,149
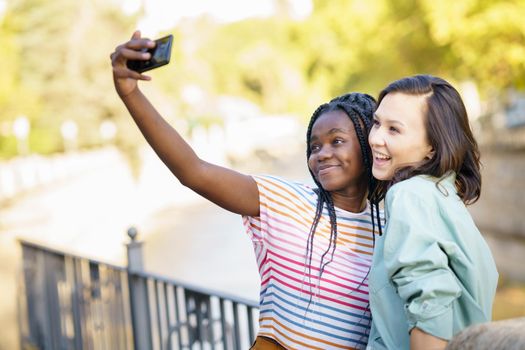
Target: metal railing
x,y
72,302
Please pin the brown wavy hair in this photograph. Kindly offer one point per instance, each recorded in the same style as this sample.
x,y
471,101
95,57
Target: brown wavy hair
x,y
448,132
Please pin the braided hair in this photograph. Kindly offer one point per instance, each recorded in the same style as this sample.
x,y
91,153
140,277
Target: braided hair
x,y
359,108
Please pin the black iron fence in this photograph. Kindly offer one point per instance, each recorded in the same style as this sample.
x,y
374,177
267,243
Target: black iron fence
x,y
71,302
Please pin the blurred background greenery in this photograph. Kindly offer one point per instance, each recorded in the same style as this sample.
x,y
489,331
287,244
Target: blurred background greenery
x,y
56,92
56,68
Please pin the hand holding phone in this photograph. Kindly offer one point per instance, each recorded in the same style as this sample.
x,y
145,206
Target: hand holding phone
x,y
160,56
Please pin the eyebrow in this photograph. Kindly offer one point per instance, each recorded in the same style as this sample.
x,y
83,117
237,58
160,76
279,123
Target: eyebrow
x,y
392,121
332,131
336,130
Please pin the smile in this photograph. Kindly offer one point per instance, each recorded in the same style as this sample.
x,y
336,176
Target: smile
x,y
323,169
381,156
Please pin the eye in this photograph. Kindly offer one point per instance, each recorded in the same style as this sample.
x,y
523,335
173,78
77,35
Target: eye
x,y
375,122
393,129
338,141
314,148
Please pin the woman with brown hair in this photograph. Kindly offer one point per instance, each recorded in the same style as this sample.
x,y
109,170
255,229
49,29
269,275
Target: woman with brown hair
x,y
432,273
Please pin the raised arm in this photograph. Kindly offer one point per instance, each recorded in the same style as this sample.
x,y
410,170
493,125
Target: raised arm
x,y
227,188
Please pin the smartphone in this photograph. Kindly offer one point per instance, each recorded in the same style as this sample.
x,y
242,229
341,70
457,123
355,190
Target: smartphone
x,y
160,56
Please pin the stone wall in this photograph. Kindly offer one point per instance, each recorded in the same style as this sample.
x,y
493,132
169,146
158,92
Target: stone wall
x,y
500,212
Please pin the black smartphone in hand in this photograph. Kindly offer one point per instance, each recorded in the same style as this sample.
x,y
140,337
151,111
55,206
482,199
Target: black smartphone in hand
x,y
160,56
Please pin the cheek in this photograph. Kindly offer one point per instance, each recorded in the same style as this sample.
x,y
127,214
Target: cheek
x,y
310,162
358,155
358,162
371,136
411,151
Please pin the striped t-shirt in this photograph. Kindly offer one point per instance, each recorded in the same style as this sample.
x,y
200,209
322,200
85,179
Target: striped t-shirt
x,y
297,308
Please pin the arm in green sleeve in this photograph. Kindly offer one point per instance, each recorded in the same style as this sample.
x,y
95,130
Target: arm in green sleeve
x,y
416,264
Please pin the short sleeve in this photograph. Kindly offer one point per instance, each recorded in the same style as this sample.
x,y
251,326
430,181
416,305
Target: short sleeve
x,y
257,226
416,264
282,204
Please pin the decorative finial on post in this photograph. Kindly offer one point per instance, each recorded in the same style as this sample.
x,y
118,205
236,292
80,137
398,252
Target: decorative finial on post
x,y
132,233
134,248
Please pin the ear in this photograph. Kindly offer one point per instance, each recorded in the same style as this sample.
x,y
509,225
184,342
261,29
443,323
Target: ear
x,y
430,154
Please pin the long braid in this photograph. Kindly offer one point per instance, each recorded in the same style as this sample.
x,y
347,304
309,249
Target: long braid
x,y
359,109
375,194
310,240
333,233
358,116
367,160
321,200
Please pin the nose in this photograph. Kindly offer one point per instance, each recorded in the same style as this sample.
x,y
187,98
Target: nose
x,y
375,137
324,153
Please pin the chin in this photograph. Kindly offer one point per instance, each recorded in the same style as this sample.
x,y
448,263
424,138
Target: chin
x,y
381,175
328,186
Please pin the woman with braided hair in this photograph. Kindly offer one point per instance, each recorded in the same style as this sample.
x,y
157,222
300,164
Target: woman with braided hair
x,y
313,245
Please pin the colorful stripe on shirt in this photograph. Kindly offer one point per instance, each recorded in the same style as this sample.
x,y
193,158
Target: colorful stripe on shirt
x,y
297,308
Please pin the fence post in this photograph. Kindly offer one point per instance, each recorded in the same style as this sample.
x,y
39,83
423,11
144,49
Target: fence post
x,y
138,294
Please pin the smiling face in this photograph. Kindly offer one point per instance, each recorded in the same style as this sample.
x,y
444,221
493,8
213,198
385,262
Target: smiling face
x,y
398,136
336,159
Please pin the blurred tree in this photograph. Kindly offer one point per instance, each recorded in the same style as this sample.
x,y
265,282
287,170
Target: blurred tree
x,y
62,50
378,41
264,65
357,45
15,99
487,39
59,69
241,58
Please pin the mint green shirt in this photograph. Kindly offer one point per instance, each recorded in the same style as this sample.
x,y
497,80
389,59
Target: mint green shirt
x,y
431,268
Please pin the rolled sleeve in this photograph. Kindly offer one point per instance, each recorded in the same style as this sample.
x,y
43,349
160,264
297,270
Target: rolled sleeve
x,y
417,266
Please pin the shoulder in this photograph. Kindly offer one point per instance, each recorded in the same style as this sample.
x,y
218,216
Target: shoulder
x,y
419,193
278,182
422,193
416,187
425,185
272,186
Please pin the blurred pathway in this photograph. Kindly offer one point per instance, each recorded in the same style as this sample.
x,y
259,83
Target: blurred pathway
x,y
185,236
84,214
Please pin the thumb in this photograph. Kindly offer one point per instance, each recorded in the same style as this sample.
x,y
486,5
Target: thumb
x,y
136,34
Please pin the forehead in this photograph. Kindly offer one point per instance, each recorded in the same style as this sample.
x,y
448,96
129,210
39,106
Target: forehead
x,y
332,121
404,108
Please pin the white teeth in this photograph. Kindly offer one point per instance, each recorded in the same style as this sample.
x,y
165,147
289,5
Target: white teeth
x,y
381,156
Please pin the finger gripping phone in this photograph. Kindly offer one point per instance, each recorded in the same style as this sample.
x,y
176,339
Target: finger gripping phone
x,y
160,56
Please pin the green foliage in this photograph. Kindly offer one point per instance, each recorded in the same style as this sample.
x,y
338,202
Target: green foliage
x,y
8,145
356,46
56,66
46,140
8,78
478,40
487,39
264,64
